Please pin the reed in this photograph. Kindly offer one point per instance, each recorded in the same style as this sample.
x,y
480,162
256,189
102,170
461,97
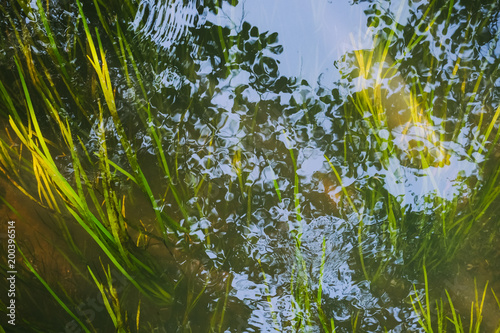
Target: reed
x,y
53,294
96,207
52,115
369,111
111,301
449,315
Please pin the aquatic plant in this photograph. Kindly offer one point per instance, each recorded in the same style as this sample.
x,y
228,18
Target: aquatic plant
x,y
423,310
178,186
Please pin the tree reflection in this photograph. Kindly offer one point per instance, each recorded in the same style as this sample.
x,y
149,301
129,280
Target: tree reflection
x,y
244,165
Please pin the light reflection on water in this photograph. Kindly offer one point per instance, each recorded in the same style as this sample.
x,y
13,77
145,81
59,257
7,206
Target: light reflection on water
x,y
243,129
315,36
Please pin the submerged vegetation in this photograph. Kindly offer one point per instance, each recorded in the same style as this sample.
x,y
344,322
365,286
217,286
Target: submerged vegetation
x,y
154,157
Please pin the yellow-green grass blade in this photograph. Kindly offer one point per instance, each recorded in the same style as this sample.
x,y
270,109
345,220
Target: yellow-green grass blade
x,y
104,297
107,251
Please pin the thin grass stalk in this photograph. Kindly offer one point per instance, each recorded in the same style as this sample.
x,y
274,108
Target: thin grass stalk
x,y
129,53
497,330
76,199
354,322
268,297
138,315
12,111
296,185
53,51
122,54
209,164
388,42
321,314
191,303
360,218
275,181
249,205
54,295
414,40
106,250
106,86
479,305
113,308
424,317
35,74
455,320
100,286
115,219
80,172
301,294
10,207
307,298
225,48
454,72
118,48
441,320
62,62
20,187
488,131
302,283
164,164
476,87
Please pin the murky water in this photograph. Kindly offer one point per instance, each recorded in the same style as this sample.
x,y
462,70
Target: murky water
x,y
251,166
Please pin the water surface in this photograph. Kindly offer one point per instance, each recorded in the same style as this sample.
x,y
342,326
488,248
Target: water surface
x,y
273,166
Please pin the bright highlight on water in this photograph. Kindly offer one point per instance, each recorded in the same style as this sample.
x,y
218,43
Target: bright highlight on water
x,y
250,166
